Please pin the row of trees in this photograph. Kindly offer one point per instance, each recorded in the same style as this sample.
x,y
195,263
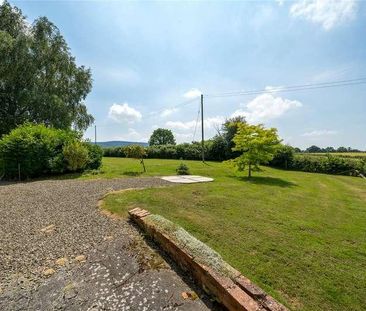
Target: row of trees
x,y
316,149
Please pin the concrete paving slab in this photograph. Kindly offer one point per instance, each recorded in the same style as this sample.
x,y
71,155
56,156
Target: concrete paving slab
x,y
187,179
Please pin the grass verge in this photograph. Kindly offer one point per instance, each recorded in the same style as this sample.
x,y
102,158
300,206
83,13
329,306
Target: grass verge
x,y
299,236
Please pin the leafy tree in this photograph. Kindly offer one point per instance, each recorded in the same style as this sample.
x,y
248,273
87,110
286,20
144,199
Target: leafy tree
x,y
229,129
257,144
39,79
217,150
136,152
283,157
313,149
161,136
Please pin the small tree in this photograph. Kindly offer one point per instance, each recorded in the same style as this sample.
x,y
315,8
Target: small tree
x,y
136,152
257,144
162,136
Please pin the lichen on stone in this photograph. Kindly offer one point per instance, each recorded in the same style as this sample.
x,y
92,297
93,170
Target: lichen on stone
x,y
194,247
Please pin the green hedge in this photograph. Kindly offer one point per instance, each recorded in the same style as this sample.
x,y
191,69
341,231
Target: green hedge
x,y
36,150
329,165
182,151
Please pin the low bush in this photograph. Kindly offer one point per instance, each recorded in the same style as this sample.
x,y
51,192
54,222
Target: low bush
x,y
35,150
76,156
283,157
95,153
183,169
115,152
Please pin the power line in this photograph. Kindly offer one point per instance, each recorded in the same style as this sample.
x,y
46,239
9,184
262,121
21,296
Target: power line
x,y
195,127
184,103
292,88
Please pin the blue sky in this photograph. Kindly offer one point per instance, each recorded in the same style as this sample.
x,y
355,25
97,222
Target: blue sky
x,y
147,57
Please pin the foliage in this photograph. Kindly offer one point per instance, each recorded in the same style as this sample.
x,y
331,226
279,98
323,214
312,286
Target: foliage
x,y
257,144
36,150
162,136
316,149
136,152
75,155
183,169
95,155
283,157
217,149
229,130
329,164
114,152
39,79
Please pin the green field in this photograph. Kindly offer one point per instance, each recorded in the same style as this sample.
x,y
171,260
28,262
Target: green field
x,y
300,236
339,154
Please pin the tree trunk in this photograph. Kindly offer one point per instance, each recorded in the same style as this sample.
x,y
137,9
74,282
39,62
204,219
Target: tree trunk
x,y
143,164
250,170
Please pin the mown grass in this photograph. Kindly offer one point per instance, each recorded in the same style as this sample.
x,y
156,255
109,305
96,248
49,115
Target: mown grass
x,y
300,236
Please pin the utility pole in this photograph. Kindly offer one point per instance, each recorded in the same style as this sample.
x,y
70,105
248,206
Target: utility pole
x,y
95,134
202,129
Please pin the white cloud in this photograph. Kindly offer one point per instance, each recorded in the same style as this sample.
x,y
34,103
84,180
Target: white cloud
x,y
265,107
328,13
124,113
168,112
193,93
280,2
318,133
210,122
179,125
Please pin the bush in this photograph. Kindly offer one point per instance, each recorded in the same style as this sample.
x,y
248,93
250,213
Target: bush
x,y
35,150
283,157
329,165
118,152
182,169
76,156
95,156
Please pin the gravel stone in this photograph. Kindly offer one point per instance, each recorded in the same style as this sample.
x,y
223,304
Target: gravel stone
x,y
43,221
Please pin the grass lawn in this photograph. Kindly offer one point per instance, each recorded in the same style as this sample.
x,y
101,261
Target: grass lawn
x,y
300,236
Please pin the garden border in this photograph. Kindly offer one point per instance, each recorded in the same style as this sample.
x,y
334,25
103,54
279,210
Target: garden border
x,y
237,293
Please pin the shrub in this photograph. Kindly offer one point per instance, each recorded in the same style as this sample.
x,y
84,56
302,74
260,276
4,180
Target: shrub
x,y
76,156
283,157
114,152
35,150
182,169
95,153
329,165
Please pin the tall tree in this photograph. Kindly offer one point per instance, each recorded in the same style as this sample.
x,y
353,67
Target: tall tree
x,y
257,145
228,130
39,79
162,137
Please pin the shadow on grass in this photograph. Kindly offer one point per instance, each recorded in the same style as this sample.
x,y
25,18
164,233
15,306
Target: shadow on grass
x,y
130,173
268,181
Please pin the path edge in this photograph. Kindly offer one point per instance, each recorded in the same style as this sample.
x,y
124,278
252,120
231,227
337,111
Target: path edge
x,y
237,293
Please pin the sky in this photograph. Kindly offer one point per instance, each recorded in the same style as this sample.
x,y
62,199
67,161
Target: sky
x,y
150,62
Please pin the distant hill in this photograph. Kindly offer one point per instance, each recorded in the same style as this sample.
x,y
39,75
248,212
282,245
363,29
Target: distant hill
x,y
119,143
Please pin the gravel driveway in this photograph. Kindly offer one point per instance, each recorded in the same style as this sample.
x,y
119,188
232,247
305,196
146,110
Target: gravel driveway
x,y
59,252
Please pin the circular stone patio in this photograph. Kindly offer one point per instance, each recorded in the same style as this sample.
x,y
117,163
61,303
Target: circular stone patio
x,y
187,179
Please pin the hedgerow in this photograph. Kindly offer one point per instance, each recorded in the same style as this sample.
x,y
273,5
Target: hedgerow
x,y
34,150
